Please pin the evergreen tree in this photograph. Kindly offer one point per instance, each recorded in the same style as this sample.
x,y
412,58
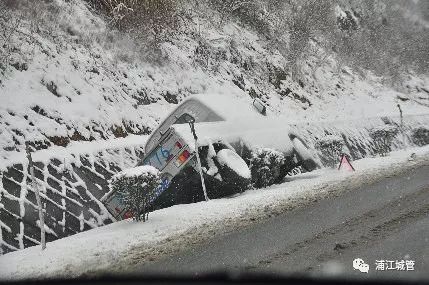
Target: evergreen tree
x,y
136,187
266,166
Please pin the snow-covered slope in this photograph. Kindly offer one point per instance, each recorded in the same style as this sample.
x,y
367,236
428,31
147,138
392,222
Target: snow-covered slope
x,y
67,76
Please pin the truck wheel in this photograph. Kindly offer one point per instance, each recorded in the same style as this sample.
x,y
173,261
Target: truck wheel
x,y
306,157
233,169
230,174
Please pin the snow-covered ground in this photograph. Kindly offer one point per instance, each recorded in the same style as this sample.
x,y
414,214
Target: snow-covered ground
x,y
120,244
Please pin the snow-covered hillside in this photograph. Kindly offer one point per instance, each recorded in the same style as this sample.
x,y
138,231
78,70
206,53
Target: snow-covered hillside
x,y
68,77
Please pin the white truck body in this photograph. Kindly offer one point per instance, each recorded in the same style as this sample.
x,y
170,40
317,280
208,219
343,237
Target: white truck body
x,y
232,120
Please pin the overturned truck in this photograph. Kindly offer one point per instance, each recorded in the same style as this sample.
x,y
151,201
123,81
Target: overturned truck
x,y
228,129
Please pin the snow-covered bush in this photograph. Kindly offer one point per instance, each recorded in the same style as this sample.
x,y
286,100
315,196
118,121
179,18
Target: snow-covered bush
x,y
265,166
420,136
118,9
331,147
149,17
136,187
383,137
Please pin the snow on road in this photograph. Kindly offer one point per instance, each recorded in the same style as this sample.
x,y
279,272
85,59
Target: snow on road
x,y
125,243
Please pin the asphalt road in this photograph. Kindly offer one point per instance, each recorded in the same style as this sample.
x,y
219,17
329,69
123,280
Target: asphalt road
x,y
388,220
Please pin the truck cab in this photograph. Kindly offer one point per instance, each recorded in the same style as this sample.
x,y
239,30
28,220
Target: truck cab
x,y
222,122
167,150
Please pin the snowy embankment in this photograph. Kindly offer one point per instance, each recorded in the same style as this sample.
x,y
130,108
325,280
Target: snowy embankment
x,y
76,78
70,153
71,181
120,245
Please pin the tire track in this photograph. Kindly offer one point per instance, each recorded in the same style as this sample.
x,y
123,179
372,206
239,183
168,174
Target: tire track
x,y
370,227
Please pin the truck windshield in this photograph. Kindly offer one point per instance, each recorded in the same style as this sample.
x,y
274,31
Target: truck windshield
x,y
184,119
